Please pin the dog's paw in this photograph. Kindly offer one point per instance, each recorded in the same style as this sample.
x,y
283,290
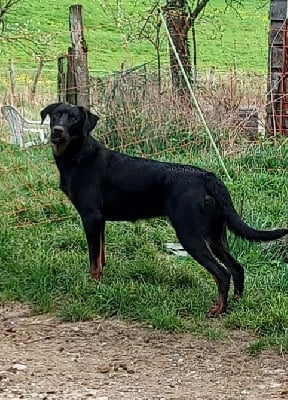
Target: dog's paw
x,y
237,296
216,311
96,274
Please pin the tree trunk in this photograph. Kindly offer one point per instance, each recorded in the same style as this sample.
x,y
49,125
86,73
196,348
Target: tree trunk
x,y
178,24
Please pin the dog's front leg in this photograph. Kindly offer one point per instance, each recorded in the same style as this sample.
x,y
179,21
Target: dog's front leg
x,y
103,252
93,226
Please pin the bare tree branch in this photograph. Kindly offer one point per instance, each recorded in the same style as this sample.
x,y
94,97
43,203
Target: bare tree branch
x,y
150,14
199,7
233,4
5,6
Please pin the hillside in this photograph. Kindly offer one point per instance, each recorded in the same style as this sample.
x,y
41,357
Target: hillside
x,y
225,37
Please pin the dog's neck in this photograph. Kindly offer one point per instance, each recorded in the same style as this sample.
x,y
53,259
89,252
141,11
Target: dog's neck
x,y
78,150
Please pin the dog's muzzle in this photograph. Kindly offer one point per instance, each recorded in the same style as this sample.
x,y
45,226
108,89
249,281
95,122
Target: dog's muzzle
x,y
57,135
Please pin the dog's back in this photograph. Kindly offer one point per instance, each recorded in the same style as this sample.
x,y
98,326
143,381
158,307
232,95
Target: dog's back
x,y
136,188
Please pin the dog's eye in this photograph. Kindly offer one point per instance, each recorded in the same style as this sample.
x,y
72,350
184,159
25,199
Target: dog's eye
x,y
72,118
57,115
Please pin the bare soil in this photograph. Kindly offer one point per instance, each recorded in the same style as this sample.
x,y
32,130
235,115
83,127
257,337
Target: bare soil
x,y
44,358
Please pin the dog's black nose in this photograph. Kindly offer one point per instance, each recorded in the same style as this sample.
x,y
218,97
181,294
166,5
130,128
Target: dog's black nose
x,y
58,131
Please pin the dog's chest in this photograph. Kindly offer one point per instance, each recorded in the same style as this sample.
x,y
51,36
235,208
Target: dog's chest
x,y
66,185
71,182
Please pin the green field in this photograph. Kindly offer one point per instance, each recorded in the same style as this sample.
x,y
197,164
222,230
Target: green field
x,y
226,37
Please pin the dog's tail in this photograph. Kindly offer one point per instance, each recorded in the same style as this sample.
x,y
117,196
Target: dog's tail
x,y
217,189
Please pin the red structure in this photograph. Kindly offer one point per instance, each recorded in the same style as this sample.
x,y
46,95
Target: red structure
x,y
277,96
283,128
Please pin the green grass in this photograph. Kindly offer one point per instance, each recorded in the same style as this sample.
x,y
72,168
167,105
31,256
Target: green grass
x,y
231,38
44,259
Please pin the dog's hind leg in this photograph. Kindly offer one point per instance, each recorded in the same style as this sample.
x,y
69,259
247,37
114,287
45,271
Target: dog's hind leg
x,y
215,232
190,235
200,251
221,251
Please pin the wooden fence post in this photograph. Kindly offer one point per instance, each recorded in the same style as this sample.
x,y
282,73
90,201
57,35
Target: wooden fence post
x,y
12,79
61,79
78,56
71,85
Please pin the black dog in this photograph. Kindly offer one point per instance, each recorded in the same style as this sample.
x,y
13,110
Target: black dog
x,y
107,185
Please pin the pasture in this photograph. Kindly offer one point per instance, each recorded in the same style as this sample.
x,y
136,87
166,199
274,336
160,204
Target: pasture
x,y
227,37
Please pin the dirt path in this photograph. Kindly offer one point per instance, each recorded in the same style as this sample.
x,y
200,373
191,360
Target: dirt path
x,y
41,358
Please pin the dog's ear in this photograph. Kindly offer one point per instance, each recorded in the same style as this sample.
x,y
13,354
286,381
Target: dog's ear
x,y
90,120
47,110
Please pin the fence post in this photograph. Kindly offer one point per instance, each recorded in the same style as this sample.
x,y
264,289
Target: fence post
x,y
61,79
71,85
79,56
12,81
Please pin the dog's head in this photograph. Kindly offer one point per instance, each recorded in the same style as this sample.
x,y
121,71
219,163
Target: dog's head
x,y
68,123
